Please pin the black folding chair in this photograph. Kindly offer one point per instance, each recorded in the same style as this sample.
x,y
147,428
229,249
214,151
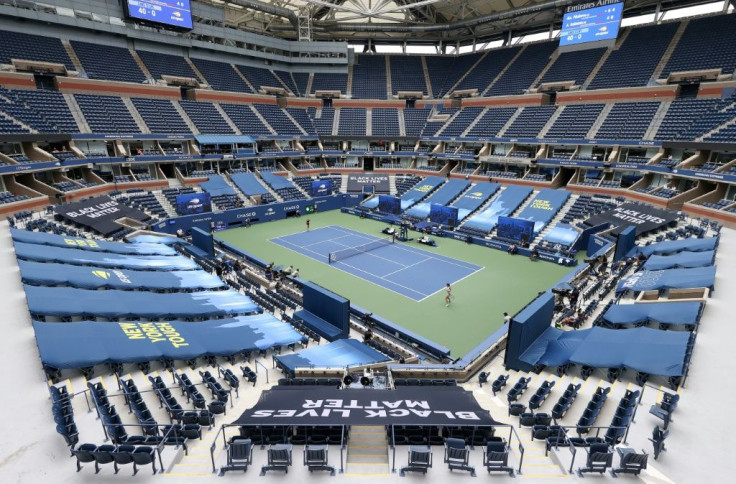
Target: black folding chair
x,y
600,458
84,454
143,456
496,458
239,455
123,455
420,459
457,455
658,438
279,458
315,458
631,462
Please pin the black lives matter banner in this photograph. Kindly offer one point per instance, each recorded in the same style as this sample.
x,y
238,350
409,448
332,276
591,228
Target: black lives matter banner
x,y
644,217
379,183
447,406
99,214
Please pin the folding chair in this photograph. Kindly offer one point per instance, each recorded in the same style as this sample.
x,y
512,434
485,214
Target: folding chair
x,y
457,455
315,458
420,459
600,458
143,456
658,438
84,454
496,458
239,455
123,455
279,458
631,462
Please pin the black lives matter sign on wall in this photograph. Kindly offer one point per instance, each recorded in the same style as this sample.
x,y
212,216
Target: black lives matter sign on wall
x,y
644,217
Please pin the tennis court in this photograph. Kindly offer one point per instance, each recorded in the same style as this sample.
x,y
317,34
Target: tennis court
x,y
409,271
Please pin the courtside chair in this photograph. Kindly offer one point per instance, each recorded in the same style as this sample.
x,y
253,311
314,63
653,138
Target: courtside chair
x,y
239,455
496,458
457,455
420,459
315,459
279,458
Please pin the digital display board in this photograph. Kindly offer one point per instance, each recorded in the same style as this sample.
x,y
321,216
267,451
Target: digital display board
x,y
591,25
174,13
193,203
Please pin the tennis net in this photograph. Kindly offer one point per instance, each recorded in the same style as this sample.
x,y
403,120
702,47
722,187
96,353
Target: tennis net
x,y
343,254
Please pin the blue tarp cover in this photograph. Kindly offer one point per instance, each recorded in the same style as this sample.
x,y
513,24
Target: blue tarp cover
x,y
562,234
669,279
684,313
474,198
217,185
443,195
508,201
111,304
276,182
680,260
420,190
340,353
155,239
44,253
248,184
87,343
642,349
674,246
543,208
43,238
84,277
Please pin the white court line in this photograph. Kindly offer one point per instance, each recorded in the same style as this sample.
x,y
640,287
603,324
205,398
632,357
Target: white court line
x,y
461,279
406,267
414,250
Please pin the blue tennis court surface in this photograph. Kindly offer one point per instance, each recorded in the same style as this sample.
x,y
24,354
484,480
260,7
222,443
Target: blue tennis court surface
x,y
409,271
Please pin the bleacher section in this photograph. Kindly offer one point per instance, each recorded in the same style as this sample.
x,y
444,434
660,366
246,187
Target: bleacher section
x,y
407,74
166,64
279,121
707,43
283,186
520,75
96,59
352,122
329,82
302,118
530,122
220,76
44,111
573,66
14,45
160,116
634,62
323,123
628,121
461,121
681,114
575,121
491,122
106,114
414,120
369,77
488,69
286,77
259,77
244,118
385,122
205,117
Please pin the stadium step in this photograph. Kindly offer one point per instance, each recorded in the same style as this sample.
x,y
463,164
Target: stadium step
x,y
389,87
619,42
503,71
552,60
310,80
226,118
670,49
185,117
480,59
657,120
261,118
349,84
718,128
196,70
336,122
79,118
551,121
510,121
367,451
245,79
136,115
283,84
475,121
427,81
73,56
599,122
286,113
142,65
402,122
368,122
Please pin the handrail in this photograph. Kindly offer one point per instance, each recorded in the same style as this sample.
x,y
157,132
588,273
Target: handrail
x,y
256,362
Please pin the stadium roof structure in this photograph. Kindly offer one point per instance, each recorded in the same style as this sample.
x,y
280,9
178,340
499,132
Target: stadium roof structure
x,y
414,21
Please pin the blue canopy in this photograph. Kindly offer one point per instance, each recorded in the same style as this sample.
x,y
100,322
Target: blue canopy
x,y
276,182
563,234
684,313
445,194
641,349
88,343
338,354
44,253
669,279
112,304
674,246
67,242
84,277
216,185
420,191
155,239
474,198
681,259
543,208
248,184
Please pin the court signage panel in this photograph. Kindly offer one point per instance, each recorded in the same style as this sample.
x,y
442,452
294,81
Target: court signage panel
x,y
379,183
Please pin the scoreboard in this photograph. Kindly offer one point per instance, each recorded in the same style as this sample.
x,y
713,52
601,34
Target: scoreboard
x,y
170,13
591,25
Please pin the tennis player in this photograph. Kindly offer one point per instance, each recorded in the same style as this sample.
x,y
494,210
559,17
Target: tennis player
x,y
307,224
448,295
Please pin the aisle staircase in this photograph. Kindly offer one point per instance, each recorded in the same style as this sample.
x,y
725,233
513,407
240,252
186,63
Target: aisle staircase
x,y
367,451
